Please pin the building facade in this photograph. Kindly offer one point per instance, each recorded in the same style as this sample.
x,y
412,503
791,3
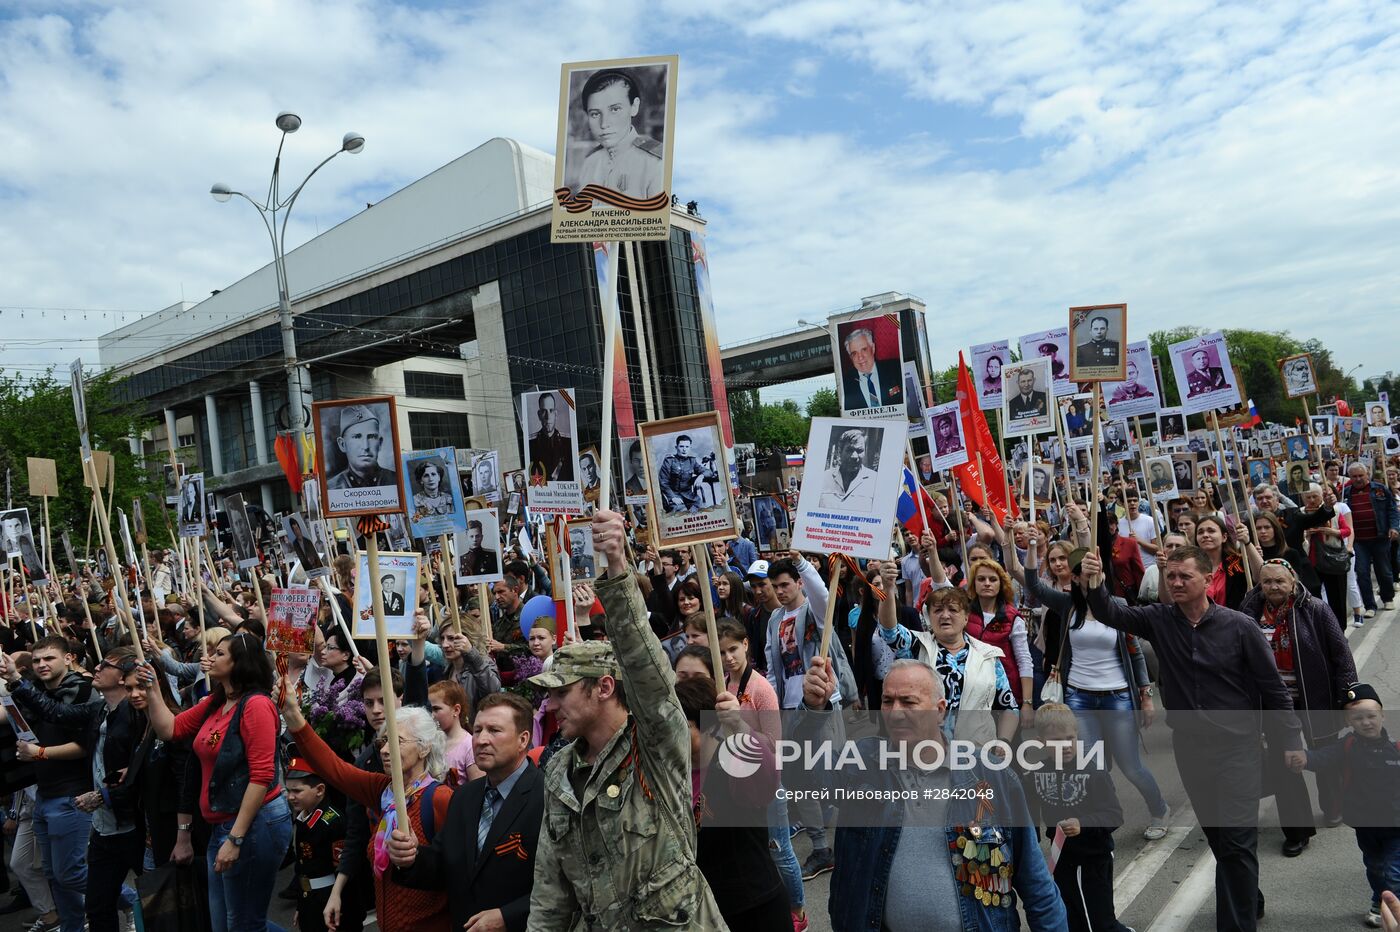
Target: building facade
x,y
447,295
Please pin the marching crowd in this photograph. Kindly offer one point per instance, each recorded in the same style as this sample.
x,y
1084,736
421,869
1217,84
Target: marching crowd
x,y
561,780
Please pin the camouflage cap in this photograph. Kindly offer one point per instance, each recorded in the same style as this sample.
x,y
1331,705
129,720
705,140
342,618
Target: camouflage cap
x,y
351,415
574,662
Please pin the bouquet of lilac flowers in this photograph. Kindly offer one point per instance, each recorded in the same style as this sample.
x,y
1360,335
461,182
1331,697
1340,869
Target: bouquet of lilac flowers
x,y
336,712
525,667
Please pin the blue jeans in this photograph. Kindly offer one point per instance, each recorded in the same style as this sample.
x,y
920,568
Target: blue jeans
x,y
1374,555
62,832
239,897
1380,852
780,847
1111,718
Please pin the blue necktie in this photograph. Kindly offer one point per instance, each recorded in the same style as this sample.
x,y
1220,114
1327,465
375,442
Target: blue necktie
x,y
488,815
870,391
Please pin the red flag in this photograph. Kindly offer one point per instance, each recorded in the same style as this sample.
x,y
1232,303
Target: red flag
x,y
285,446
980,445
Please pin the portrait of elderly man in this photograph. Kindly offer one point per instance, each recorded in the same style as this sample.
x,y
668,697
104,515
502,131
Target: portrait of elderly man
x,y
849,485
1098,350
359,441
868,381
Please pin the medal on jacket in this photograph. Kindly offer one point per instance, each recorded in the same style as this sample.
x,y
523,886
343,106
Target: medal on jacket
x,y
981,857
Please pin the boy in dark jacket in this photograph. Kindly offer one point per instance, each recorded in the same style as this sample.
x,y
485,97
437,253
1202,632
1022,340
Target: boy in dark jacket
x,y
319,836
1084,805
1368,762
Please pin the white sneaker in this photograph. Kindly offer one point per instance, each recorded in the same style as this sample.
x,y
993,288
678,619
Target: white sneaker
x,y
41,926
1370,613
1157,828
1373,918
1386,606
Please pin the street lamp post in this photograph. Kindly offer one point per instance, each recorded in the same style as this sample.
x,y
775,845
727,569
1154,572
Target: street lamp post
x,y
273,206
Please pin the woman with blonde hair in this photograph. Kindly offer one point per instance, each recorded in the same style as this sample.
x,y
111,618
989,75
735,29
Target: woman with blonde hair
x,y
421,751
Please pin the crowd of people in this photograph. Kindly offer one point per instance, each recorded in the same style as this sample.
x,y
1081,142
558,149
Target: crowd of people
x,y
564,776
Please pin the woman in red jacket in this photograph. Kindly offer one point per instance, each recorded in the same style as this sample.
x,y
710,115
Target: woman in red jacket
x,y
234,734
422,753
993,619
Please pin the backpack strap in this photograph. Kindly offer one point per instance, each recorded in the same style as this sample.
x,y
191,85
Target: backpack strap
x,y
426,814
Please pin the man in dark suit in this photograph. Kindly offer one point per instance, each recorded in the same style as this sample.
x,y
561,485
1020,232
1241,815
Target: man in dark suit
x,y
869,382
484,856
550,448
1100,350
393,601
1027,402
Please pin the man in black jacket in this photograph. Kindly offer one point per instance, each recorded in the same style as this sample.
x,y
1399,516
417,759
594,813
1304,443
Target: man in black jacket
x,y
485,855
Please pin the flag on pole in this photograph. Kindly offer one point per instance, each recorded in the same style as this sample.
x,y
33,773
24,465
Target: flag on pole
x,y
1254,419
794,459
908,513
980,447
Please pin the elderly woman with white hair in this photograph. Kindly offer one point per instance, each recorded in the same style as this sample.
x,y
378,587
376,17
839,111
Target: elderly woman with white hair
x,y
422,752
1312,655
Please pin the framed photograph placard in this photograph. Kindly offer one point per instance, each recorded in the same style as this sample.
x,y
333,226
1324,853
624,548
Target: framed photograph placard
x,y
357,458
434,494
398,579
1299,375
688,480
1100,335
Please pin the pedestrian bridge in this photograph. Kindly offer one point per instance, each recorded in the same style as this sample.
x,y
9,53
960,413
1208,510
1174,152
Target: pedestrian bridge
x,y
805,352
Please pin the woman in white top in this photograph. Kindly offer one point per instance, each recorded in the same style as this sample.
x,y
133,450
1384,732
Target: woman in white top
x,y
1105,679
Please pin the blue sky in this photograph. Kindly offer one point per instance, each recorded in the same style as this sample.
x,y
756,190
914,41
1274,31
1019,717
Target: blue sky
x,y
1211,164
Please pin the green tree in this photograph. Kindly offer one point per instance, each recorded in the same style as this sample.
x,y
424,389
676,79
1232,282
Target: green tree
x,y
36,419
767,426
824,403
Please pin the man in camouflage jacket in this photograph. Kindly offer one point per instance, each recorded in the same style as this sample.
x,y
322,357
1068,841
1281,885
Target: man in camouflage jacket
x,y
617,849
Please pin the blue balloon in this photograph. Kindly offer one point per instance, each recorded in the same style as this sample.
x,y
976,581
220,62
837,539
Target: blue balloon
x,y
541,606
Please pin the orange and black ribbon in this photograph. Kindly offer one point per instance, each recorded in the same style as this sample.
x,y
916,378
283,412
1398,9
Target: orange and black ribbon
x,y
371,524
583,200
849,562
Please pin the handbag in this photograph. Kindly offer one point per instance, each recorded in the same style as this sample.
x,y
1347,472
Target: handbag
x,y
1333,557
174,898
1052,690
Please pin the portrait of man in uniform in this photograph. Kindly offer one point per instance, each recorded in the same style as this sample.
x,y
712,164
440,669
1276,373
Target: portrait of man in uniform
x,y
17,537
551,447
1203,376
1099,350
358,457
681,477
635,475
476,559
1159,476
359,441
581,562
946,436
1131,388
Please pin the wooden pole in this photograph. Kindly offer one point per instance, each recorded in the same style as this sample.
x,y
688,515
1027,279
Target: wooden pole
x,y
962,533
1230,487
1314,454
567,571
151,584
610,330
1146,480
1005,469
448,575
124,601
701,556
381,639
1096,478
339,618
830,612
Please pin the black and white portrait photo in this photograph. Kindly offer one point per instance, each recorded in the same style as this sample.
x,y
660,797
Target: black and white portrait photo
x,y
851,463
1027,397
478,549
17,537
1171,425
1099,334
1115,441
357,450
1042,479
1299,378
589,475
869,365
615,140
551,452
583,564
80,414
1053,347
770,516
745,458
244,550
1321,427
1184,471
435,502
1299,450
486,471
303,546
689,479
946,440
190,511
988,359
1160,480
398,581
172,473
634,472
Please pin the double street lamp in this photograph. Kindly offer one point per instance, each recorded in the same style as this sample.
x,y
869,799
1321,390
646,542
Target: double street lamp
x,y
273,206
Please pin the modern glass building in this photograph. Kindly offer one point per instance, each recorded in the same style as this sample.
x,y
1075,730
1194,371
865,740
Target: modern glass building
x,y
448,295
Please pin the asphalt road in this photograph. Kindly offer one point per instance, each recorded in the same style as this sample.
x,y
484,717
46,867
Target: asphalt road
x,y
1168,885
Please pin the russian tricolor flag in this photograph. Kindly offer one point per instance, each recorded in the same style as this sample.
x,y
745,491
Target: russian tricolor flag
x,y
1254,419
907,511
795,459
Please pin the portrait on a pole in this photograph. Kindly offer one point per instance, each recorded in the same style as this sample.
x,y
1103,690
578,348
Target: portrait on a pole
x,y
688,478
869,364
988,359
1136,394
551,452
245,551
1299,376
613,156
849,490
303,545
478,548
190,511
434,496
1203,373
769,516
1052,346
357,456
1027,397
1099,333
946,441
398,581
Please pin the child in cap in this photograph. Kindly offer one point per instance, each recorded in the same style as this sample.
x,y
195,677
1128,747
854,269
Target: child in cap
x,y
318,836
1369,765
